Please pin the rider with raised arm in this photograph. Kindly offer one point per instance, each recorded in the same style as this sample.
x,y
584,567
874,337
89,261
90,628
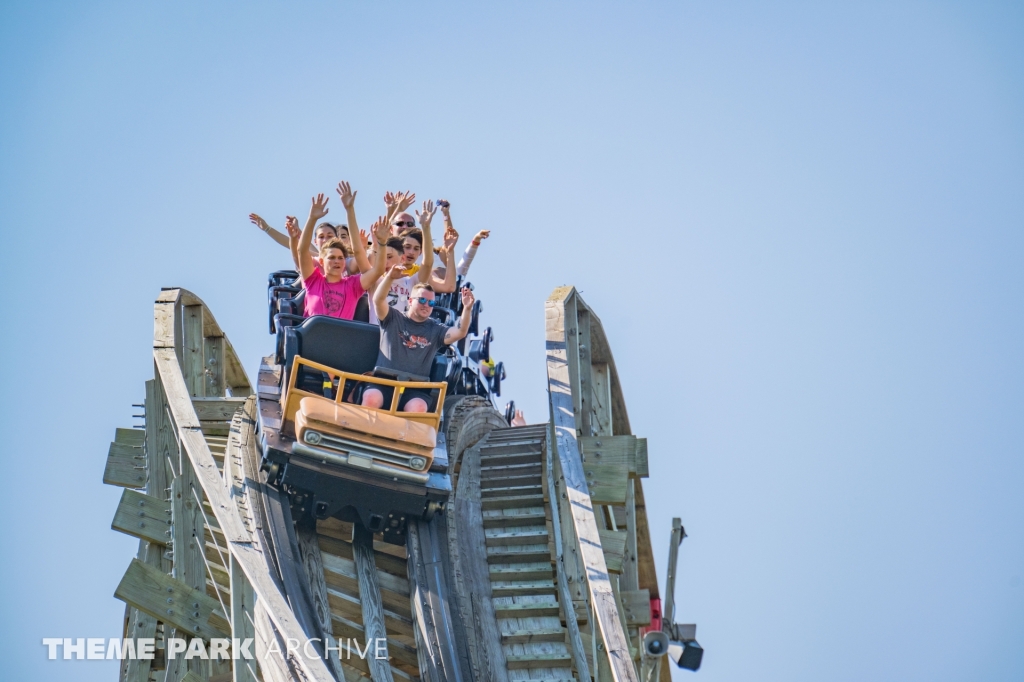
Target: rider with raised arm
x,y
401,287
409,342
324,232
451,236
329,291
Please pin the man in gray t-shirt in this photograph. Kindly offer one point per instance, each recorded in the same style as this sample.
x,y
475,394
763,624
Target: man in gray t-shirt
x,y
409,342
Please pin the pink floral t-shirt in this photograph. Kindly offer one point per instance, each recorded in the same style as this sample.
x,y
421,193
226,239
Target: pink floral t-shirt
x,y
334,299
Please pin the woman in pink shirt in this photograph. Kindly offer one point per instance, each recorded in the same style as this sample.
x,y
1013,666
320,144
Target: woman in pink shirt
x,y
329,290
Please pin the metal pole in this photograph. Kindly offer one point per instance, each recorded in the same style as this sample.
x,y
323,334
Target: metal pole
x,y
668,617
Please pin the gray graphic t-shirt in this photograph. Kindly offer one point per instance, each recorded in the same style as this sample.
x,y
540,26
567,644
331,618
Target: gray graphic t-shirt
x,y
409,346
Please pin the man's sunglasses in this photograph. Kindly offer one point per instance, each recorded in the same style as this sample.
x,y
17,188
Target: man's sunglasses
x,y
426,301
407,223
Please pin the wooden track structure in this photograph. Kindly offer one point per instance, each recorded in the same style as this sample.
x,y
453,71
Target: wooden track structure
x,y
541,567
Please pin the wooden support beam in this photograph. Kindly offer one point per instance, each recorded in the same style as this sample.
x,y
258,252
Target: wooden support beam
x,y
370,600
636,604
172,601
630,578
585,388
188,531
192,365
126,461
242,618
601,405
188,431
213,361
613,543
561,392
627,453
216,409
143,516
607,483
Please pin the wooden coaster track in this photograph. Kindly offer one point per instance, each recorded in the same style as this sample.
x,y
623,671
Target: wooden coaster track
x,y
539,569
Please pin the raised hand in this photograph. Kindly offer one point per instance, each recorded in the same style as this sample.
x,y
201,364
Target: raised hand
x,y
381,229
364,237
519,419
404,200
482,234
396,272
319,208
259,222
427,215
446,208
348,197
292,225
467,297
451,236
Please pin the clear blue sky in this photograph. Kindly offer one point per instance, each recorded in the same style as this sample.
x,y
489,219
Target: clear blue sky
x,y
801,225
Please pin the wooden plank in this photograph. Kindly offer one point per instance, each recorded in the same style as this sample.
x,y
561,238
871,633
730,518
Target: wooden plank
x,y
151,590
525,610
647,574
142,625
475,603
243,604
560,390
348,606
187,530
213,359
347,568
627,453
240,544
216,409
636,605
143,516
400,652
630,578
176,393
163,324
131,437
125,466
370,600
601,405
585,380
160,443
607,483
613,542
529,636
192,361
528,661
313,565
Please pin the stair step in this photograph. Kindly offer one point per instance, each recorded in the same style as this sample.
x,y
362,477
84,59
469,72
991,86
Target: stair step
x,y
538,661
509,481
530,610
517,537
519,433
529,636
510,470
515,491
538,518
502,555
512,502
511,458
523,589
540,572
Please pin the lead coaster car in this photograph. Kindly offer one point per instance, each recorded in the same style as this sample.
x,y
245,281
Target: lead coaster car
x,y
337,458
